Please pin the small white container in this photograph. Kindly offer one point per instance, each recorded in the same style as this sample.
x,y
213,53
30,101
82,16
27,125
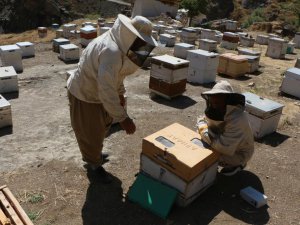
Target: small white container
x,y
263,114
5,113
253,197
69,52
8,80
180,49
27,49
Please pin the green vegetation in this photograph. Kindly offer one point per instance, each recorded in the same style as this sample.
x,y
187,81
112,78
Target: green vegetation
x,y
256,16
92,16
195,7
35,198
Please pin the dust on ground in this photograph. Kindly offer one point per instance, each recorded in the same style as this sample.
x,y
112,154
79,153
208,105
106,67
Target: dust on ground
x,y
41,163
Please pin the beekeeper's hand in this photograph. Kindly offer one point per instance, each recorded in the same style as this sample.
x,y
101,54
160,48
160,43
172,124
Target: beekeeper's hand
x,y
205,136
201,125
128,125
122,100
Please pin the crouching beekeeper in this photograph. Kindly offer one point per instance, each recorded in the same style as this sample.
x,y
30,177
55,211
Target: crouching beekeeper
x,y
96,90
226,129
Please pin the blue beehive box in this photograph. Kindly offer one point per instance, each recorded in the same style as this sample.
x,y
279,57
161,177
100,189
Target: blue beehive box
x,y
263,114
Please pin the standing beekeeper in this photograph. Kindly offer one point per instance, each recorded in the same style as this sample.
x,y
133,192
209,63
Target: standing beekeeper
x,y
226,129
96,89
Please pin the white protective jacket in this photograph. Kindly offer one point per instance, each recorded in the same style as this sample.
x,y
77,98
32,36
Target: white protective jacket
x,y
102,69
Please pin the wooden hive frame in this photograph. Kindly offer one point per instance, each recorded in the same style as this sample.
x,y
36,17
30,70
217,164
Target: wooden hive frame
x,y
11,212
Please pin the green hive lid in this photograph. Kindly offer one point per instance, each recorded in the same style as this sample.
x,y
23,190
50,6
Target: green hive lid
x,y
152,195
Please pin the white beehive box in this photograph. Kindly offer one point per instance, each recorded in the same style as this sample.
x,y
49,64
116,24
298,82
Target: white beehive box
x,y
297,64
297,40
27,49
11,55
291,82
231,25
188,190
58,42
180,49
167,39
69,52
67,29
203,66
169,68
59,33
228,45
253,63
207,34
277,48
246,51
5,113
8,80
208,45
263,114
103,30
262,39
290,48
247,41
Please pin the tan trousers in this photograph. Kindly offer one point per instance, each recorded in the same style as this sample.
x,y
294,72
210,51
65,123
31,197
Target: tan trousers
x,y
90,123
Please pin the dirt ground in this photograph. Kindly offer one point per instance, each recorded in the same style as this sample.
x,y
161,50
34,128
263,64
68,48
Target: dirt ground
x,y
41,163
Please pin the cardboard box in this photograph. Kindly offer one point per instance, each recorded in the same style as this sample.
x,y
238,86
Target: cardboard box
x,y
165,89
291,82
180,49
203,66
253,197
247,41
58,42
262,39
8,80
175,148
11,55
187,189
208,45
69,52
5,113
263,114
27,49
277,48
167,39
233,65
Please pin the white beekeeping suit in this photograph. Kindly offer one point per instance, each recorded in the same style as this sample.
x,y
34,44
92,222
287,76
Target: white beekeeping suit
x,y
108,59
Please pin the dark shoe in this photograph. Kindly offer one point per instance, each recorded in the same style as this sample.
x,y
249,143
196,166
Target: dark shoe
x,y
230,171
105,177
104,155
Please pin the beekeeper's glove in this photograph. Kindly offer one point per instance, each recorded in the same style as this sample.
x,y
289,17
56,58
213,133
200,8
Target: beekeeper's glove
x,y
205,136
